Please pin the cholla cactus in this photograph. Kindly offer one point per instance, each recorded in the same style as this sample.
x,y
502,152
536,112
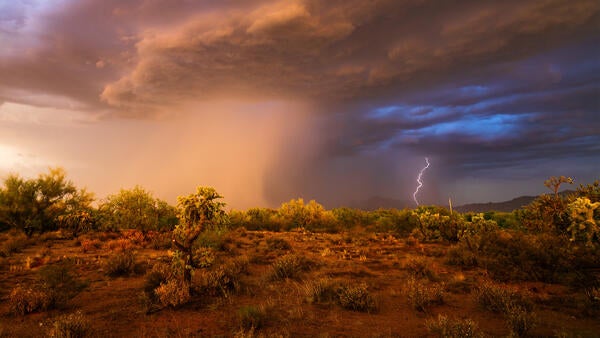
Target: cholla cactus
x,y
584,227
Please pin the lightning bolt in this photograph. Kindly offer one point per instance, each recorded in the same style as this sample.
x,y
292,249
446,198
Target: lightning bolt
x,y
419,180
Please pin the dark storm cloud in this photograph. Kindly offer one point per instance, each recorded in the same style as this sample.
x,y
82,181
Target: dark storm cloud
x,y
479,85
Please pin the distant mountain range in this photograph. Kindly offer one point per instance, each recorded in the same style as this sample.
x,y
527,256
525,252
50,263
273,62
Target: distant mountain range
x,y
378,202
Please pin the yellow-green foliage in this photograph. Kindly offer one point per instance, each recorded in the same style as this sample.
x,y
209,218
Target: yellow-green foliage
x,y
584,227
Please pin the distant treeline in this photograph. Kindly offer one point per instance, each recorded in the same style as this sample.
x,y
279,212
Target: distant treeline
x,y
51,202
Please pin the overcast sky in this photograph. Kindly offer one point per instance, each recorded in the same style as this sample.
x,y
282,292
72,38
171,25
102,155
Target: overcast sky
x,y
332,100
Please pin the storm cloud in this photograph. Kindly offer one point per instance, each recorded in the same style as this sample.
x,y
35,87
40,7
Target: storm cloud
x,y
491,92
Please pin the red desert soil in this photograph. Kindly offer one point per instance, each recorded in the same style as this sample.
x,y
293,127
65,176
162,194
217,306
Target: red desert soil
x,y
114,309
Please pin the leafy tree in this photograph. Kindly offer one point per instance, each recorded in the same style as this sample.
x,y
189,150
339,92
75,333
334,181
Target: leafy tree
x,y
297,214
549,212
39,204
196,212
137,209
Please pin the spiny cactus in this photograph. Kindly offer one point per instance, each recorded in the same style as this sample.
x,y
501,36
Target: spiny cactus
x,y
584,227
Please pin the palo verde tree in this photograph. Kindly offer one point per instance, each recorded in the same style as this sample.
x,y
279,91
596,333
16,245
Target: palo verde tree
x,y
196,212
37,205
136,209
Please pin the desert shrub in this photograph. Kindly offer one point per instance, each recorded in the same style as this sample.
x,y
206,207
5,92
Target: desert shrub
x,y
88,245
121,244
591,304
173,293
461,255
225,279
289,266
161,241
120,264
519,320
215,237
322,290
356,298
203,257
23,300
74,325
421,296
14,242
518,256
497,299
516,308
222,281
252,317
418,267
278,244
398,222
59,283
160,273
446,327
437,226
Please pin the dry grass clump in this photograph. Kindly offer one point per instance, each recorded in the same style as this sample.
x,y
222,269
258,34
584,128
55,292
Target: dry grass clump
x,y
519,319
421,296
517,310
349,297
278,244
121,244
160,274
357,298
74,325
55,286
120,264
497,299
23,300
173,293
225,279
289,266
322,290
88,245
253,317
419,267
445,327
